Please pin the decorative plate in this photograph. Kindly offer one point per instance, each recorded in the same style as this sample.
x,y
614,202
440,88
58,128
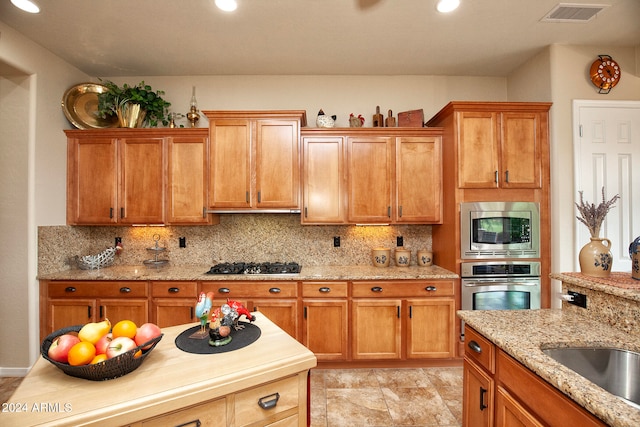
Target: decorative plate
x,y
80,105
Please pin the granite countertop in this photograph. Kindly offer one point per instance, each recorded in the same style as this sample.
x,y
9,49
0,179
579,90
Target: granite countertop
x,y
197,272
523,333
619,284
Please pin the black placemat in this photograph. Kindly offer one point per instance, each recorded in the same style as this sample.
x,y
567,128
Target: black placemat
x,y
241,338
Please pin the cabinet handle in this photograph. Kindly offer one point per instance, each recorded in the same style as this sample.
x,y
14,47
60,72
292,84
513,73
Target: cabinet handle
x,y
196,423
125,290
495,178
258,197
223,290
400,211
268,404
430,288
483,391
110,213
506,176
389,211
246,196
274,290
121,212
398,307
204,212
306,214
324,289
88,312
304,312
410,311
70,289
376,289
173,290
475,346
101,312
191,312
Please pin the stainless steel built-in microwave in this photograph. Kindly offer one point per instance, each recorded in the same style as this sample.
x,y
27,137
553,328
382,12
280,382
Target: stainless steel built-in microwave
x,y
499,230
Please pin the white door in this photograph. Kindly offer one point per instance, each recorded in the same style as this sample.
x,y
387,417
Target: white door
x,y
607,154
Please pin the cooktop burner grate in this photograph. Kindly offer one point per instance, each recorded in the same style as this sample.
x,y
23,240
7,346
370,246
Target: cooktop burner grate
x,y
255,268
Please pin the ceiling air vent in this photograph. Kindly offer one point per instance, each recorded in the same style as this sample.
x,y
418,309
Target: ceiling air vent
x,y
572,12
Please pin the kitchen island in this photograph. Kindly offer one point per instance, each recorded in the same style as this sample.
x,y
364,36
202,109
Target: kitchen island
x,y
174,387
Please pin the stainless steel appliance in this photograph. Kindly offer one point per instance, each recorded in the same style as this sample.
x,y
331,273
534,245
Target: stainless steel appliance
x,y
499,230
500,285
256,268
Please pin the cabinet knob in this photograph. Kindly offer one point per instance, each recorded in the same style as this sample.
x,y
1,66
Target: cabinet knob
x,y
270,401
376,289
324,289
223,290
274,290
430,288
70,289
173,290
473,345
125,290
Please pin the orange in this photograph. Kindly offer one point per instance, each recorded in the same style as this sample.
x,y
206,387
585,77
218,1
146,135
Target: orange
x,y
124,328
82,353
99,358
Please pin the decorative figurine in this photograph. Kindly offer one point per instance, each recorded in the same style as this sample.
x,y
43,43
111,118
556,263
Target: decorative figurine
x,y
324,121
193,115
356,122
223,319
203,308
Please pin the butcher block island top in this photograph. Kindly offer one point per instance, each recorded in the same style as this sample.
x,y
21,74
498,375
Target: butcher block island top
x,y
198,272
170,380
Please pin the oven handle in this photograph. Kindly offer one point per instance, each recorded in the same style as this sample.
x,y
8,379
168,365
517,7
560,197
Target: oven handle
x,y
488,282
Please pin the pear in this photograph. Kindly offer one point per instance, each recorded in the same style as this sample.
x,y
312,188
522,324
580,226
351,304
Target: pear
x,y
92,332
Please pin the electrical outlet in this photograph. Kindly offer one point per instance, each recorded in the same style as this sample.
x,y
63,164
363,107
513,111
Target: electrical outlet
x,y
399,241
578,299
118,240
182,242
336,241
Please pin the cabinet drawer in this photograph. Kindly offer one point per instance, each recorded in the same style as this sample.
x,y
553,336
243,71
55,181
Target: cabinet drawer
x,y
264,289
174,289
402,289
249,404
208,414
97,289
324,289
479,349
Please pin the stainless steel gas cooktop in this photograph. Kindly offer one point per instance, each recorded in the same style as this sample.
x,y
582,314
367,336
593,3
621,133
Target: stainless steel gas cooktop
x,y
256,268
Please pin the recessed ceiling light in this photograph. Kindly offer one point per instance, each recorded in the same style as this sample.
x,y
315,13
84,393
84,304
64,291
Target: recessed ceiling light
x,y
26,5
446,6
227,5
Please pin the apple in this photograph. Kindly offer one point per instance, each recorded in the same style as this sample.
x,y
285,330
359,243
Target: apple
x,y
146,333
103,343
59,349
120,345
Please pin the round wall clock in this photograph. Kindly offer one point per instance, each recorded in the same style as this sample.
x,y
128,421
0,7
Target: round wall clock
x,y
605,73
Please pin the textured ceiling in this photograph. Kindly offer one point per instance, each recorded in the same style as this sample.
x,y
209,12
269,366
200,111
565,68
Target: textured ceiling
x,y
346,37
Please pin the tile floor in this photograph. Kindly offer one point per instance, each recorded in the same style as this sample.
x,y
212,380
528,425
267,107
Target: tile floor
x,y
422,397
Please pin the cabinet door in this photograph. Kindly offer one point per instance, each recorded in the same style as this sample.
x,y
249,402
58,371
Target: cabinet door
x,y
230,159
477,397
284,313
136,310
63,313
325,328
418,180
478,147
509,412
324,180
277,164
521,152
142,182
376,329
92,181
173,311
187,180
370,175
431,328
210,414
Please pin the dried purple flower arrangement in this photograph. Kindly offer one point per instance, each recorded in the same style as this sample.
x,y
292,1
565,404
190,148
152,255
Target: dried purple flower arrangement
x,y
592,216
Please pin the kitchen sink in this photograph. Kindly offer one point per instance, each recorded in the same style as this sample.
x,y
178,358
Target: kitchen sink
x,y
615,370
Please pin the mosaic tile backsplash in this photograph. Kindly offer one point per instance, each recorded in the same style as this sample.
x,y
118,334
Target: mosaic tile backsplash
x,y
238,237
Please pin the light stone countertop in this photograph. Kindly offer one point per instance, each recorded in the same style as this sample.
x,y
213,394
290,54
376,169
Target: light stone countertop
x,y
523,333
198,272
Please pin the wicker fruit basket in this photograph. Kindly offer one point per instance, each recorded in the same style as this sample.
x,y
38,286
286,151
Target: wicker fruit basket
x,y
101,260
106,370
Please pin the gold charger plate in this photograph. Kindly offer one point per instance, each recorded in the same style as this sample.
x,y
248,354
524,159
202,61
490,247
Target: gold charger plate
x,y
80,106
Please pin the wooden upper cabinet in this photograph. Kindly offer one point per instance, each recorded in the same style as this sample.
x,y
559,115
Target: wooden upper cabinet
x,y
418,179
324,180
187,179
254,159
478,148
521,149
92,181
370,174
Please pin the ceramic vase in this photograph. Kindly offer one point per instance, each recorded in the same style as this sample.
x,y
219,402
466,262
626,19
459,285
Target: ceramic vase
x,y
634,254
595,258
381,257
425,258
403,257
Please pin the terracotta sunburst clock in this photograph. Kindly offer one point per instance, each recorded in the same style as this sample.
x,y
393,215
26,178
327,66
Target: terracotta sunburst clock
x,y
605,73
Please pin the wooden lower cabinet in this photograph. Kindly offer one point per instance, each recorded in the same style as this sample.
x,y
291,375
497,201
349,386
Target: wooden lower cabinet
x,y
173,303
377,330
498,390
211,413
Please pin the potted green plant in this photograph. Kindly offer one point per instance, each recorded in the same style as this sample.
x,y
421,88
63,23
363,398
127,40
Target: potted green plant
x,y
135,106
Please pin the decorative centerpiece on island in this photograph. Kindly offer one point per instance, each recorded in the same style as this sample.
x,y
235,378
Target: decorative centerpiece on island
x,y
595,257
135,106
